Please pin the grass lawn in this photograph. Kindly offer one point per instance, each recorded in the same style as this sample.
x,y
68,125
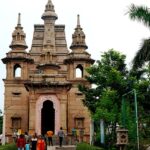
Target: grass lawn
x,y
8,147
85,146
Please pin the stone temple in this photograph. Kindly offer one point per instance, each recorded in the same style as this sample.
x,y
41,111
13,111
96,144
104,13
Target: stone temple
x,y
41,84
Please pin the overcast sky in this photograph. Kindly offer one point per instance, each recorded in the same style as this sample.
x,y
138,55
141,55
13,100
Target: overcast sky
x,y
104,22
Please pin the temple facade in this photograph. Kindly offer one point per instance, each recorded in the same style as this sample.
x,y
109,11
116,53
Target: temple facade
x,y
41,84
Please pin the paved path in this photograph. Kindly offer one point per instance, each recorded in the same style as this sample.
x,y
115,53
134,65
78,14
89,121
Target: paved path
x,y
50,147
148,148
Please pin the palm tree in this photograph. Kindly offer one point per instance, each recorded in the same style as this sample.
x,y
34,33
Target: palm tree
x,y
141,14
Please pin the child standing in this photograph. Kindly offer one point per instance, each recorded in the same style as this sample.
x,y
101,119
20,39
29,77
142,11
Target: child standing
x,y
27,146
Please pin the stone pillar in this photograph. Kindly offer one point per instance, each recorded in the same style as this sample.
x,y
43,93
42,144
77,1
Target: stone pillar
x,y
32,115
91,132
63,114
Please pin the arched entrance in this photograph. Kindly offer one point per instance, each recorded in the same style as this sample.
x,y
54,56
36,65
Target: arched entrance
x,y
56,106
47,117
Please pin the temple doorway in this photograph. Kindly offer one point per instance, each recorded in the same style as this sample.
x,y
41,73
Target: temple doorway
x,y
47,117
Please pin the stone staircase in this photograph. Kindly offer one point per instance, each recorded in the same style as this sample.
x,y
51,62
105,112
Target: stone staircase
x,y
69,143
67,140
66,147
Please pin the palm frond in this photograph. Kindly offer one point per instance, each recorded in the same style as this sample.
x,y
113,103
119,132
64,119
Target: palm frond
x,y
138,73
142,55
140,13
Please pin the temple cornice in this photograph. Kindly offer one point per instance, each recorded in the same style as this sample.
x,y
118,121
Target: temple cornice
x,y
22,59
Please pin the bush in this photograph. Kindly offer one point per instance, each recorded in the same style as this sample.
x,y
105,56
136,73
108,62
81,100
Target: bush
x,y
85,146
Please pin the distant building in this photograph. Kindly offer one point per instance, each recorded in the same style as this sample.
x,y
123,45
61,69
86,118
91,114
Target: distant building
x,y
41,86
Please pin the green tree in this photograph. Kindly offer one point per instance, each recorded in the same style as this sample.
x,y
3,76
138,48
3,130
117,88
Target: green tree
x,y
112,79
110,76
141,14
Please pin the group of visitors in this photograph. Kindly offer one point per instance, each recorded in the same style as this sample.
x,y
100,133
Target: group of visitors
x,y
26,142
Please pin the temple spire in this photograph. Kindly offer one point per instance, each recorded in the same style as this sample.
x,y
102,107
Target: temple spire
x,y
49,17
78,37
49,11
18,36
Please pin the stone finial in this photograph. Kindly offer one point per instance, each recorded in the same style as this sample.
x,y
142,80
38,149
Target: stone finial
x,y
78,20
19,19
49,6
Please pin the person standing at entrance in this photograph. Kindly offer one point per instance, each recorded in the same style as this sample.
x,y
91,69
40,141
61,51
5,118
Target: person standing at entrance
x,y
61,136
50,135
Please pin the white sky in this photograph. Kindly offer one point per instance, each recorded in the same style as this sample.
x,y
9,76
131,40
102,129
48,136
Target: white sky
x,y
103,21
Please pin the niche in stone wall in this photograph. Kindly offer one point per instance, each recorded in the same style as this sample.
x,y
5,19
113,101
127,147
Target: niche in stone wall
x,y
79,122
16,121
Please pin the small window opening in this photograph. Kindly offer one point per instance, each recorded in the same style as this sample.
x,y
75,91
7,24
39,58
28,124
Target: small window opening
x,y
79,71
17,71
